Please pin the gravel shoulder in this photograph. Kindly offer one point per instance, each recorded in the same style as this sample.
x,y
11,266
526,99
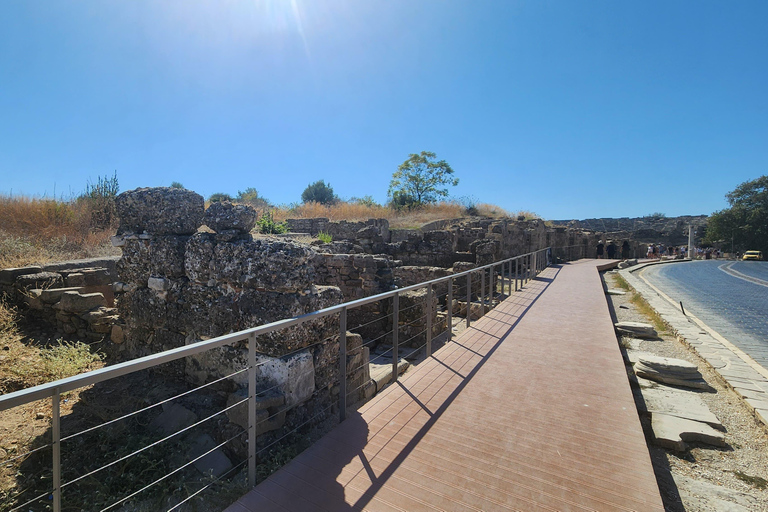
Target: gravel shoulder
x,y
704,478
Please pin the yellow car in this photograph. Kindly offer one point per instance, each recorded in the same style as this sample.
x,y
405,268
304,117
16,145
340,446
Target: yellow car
x,y
752,255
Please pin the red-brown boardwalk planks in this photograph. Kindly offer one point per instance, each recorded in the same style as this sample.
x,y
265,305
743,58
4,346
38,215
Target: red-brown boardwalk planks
x,y
530,409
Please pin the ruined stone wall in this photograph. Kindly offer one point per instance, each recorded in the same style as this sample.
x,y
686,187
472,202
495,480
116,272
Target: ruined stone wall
x,y
178,285
74,297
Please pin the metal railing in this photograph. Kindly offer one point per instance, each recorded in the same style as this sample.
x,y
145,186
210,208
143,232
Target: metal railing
x,y
496,281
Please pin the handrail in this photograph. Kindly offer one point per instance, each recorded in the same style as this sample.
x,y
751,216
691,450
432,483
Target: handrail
x,y
142,363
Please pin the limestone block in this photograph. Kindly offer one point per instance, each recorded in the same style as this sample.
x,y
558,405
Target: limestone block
x,y
117,335
675,402
673,432
158,284
174,418
160,211
9,275
89,277
76,303
39,280
293,376
53,295
636,330
225,216
214,463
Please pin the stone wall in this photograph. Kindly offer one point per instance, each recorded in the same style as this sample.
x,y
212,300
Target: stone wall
x,y
177,286
74,297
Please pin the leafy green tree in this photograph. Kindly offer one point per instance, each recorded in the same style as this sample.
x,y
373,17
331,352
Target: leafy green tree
x,y
176,184
319,192
422,178
220,196
745,223
251,196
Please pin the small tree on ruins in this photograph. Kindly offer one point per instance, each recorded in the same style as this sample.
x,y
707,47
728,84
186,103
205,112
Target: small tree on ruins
x,y
421,179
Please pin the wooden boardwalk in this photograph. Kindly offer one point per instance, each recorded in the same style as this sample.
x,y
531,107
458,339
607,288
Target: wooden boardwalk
x,y
530,409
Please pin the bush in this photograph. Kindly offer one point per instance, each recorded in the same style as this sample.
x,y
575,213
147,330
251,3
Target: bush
x,y
176,184
268,226
324,237
251,196
319,192
218,197
99,199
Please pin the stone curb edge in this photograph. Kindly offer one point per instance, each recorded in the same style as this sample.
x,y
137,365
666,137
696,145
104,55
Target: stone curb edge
x,y
739,371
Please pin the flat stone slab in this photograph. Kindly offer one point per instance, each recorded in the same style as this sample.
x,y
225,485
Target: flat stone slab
x,y
616,292
714,497
676,372
636,329
683,404
673,432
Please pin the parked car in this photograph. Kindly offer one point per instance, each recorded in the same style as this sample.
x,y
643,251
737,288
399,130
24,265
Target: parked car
x,y
752,255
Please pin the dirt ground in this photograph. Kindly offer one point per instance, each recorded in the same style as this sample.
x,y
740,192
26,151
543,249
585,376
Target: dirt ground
x,y
705,478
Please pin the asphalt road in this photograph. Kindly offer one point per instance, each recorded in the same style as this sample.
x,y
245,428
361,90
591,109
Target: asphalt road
x,y
731,297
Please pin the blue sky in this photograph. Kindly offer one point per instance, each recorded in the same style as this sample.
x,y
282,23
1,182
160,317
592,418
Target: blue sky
x,y
569,109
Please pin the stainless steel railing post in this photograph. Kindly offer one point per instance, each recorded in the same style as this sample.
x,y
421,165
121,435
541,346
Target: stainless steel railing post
x,y
395,333
252,410
343,364
469,296
482,292
429,320
449,300
56,448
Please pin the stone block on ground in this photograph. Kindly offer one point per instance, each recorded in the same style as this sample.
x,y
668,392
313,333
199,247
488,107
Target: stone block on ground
x,y
9,275
53,295
89,277
214,463
673,432
160,211
675,402
173,418
676,372
636,329
294,376
75,302
39,280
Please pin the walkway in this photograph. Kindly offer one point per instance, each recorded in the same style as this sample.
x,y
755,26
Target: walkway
x,y
529,409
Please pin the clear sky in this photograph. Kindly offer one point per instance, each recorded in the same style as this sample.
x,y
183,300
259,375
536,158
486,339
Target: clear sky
x,y
571,109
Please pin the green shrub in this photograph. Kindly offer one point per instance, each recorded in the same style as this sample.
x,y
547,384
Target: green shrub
x,y
99,199
324,237
268,226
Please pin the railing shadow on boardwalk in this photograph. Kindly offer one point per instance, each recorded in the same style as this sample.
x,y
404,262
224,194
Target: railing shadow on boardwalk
x,y
354,445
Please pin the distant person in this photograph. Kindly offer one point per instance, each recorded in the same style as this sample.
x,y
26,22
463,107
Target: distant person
x,y
625,250
600,247
649,252
655,251
611,249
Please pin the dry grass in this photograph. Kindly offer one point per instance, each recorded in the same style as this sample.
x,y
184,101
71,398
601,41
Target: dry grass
x,y
643,307
34,231
397,218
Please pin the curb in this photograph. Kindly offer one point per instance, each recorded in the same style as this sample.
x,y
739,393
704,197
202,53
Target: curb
x,y
736,368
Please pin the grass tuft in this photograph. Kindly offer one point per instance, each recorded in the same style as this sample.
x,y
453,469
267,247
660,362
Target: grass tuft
x,y
644,308
754,481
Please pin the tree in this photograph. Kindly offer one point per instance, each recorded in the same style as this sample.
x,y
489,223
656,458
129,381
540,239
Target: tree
x,y
219,196
176,184
319,192
251,196
745,223
421,179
